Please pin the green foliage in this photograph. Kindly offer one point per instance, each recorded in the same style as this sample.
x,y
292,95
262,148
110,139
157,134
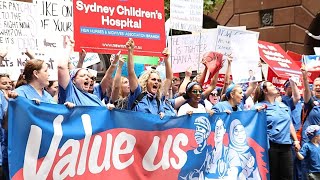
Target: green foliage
x,y
208,6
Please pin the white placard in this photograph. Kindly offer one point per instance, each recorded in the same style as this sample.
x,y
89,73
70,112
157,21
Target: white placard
x,y
317,50
186,15
91,59
246,58
187,50
18,26
223,40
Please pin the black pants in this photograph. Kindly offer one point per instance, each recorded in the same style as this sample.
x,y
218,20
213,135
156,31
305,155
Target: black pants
x,y
280,162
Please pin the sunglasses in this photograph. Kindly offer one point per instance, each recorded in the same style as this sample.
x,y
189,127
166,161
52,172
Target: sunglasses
x,y
214,94
197,91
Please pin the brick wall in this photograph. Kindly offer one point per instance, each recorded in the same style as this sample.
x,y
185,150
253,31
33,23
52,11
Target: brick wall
x,y
289,21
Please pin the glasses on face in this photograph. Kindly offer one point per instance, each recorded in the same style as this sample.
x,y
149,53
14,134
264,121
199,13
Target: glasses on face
x,y
154,79
197,91
214,94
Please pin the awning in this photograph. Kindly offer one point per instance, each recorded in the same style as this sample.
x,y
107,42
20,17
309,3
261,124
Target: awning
x,y
278,60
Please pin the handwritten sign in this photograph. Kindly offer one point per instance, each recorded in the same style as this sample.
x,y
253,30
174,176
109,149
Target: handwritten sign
x,y
18,25
245,58
186,15
91,59
223,40
188,50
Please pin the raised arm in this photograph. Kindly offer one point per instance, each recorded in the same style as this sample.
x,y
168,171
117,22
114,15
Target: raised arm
x,y
227,76
132,77
212,86
107,80
186,80
251,88
117,81
82,56
295,91
169,75
307,92
63,70
30,54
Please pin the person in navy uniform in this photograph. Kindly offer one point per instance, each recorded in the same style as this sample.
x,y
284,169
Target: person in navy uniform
x,y
198,158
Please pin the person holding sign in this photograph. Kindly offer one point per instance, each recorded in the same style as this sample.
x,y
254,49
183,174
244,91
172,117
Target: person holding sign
x,y
74,87
279,129
146,88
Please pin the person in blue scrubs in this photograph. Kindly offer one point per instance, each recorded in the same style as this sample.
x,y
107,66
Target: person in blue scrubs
x,y
149,82
311,103
279,129
310,152
36,77
234,96
292,100
74,87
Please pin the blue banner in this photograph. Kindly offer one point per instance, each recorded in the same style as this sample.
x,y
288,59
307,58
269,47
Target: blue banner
x,y
49,141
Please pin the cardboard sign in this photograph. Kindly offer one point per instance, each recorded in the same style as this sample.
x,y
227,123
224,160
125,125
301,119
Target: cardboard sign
x,y
186,15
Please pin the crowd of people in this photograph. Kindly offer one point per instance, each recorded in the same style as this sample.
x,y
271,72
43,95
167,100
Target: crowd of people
x,y
292,119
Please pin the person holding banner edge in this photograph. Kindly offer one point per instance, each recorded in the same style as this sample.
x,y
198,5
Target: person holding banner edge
x,y
279,129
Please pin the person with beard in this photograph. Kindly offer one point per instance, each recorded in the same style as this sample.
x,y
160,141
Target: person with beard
x,y
198,159
279,129
74,87
238,142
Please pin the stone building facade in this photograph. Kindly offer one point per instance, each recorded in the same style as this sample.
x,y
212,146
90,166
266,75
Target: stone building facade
x,y
279,21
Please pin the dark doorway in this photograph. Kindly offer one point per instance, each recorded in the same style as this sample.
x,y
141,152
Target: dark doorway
x,y
309,42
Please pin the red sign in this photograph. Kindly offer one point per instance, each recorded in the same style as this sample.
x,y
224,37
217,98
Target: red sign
x,y
278,60
105,26
295,56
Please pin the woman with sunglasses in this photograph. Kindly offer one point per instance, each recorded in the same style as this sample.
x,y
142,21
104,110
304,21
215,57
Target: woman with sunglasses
x,y
279,129
195,94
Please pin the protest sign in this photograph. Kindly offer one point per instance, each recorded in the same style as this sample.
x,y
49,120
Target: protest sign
x,y
93,142
246,58
112,23
223,40
312,62
188,50
90,59
18,26
186,15
278,60
317,50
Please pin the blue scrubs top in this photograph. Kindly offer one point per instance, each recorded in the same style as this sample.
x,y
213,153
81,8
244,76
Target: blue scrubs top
x,y
146,105
295,111
223,106
168,106
29,92
312,154
278,122
79,98
313,117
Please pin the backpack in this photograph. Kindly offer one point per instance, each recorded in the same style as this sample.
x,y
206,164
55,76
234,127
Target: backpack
x,y
139,98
